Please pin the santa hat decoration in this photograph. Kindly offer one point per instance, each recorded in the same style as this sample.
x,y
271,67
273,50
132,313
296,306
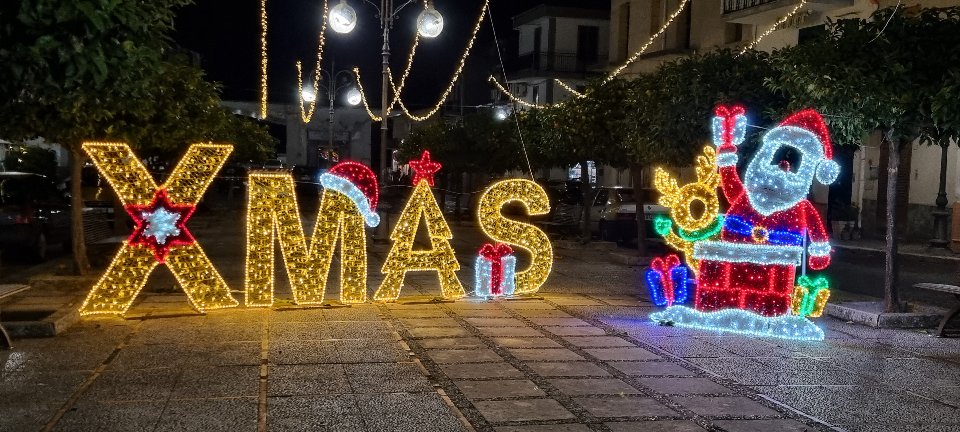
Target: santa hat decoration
x,y
810,120
358,183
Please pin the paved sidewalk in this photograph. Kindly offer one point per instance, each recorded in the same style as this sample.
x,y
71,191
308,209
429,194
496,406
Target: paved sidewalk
x,y
581,356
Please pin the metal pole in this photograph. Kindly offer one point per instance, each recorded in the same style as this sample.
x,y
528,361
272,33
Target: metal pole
x,y
331,94
386,18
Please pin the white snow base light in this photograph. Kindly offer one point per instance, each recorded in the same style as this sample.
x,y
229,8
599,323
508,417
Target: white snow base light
x,y
740,321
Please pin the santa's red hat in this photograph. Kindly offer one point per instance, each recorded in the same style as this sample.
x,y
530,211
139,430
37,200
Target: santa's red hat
x,y
357,182
810,120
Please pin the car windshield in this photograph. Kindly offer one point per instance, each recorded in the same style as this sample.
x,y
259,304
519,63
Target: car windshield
x,y
626,195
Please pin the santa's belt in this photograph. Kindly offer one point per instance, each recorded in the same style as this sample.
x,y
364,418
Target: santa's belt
x,y
735,225
723,251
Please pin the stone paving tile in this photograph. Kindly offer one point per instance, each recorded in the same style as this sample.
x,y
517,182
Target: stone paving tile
x,y
493,389
510,331
482,313
592,386
522,410
228,381
899,427
779,425
575,331
419,313
650,368
684,386
486,370
862,404
187,355
573,301
314,315
297,330
387,378
307,379
299,352
31,386
133,385
528,305
355,330
656,426
632,353
621,406
370,351
567,369
689,347
528,342
461,343
314,413
420,411
463,356
112,416
495,322
18,416
560,322
723,406
226,415
429,322
545,354
544,313
597,341
545,428
433,332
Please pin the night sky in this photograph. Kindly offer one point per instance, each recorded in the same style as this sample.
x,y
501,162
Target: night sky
x,y
226,35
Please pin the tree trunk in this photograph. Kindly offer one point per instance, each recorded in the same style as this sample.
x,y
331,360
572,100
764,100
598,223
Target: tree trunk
x,y
587,192
891,273
81,265
636,171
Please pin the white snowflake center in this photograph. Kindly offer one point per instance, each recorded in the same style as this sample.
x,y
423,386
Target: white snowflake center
x,y
161,223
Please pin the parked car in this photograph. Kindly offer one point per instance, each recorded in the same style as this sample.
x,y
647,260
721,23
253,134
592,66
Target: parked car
x,y
33,214
614,213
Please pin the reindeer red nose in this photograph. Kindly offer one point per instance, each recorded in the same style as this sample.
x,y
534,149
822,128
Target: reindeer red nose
x,y
785,165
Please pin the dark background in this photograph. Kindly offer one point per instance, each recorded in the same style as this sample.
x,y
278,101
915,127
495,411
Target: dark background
x,y
226,35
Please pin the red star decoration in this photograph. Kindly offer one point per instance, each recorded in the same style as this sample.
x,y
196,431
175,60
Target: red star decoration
x,y
160,200
424,168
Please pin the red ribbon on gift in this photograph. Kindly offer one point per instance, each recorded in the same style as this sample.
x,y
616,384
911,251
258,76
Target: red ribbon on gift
x,y
494,254
665,266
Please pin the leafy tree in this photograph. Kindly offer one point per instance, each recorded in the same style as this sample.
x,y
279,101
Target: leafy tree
x,y
32,160
883,73
103,70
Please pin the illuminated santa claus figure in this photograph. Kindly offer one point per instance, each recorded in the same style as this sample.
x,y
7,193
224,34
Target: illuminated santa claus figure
x,y
770,222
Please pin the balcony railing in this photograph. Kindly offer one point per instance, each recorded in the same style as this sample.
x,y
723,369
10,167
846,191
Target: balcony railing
x,y
554,62
739,5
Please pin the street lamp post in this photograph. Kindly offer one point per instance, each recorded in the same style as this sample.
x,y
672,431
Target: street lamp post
x,y
353,97
343,19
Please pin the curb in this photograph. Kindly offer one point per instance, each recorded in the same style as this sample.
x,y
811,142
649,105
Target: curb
x,y
906,320
52,325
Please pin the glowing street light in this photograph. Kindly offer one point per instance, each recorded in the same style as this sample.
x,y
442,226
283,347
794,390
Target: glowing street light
x,y
353,96
343,18
430,22
308,95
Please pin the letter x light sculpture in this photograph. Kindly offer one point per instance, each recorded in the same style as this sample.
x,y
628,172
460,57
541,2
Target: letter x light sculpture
x,y
160,236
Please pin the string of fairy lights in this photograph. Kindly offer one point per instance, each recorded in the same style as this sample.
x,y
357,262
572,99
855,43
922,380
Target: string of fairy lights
x,y
398,86
306,116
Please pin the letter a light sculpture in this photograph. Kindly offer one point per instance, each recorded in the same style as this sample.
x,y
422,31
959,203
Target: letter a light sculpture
x,y
161,235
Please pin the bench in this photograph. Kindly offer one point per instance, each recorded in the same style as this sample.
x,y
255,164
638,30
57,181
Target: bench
x,y
950,289
7,291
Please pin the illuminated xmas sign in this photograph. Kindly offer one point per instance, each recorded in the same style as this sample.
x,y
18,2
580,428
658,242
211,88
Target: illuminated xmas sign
x,y
348,205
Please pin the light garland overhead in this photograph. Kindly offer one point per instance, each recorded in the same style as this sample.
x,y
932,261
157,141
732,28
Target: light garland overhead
x,y
363,97
263,59
506,92
636,55
570,89
306,116
774,27
446,92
